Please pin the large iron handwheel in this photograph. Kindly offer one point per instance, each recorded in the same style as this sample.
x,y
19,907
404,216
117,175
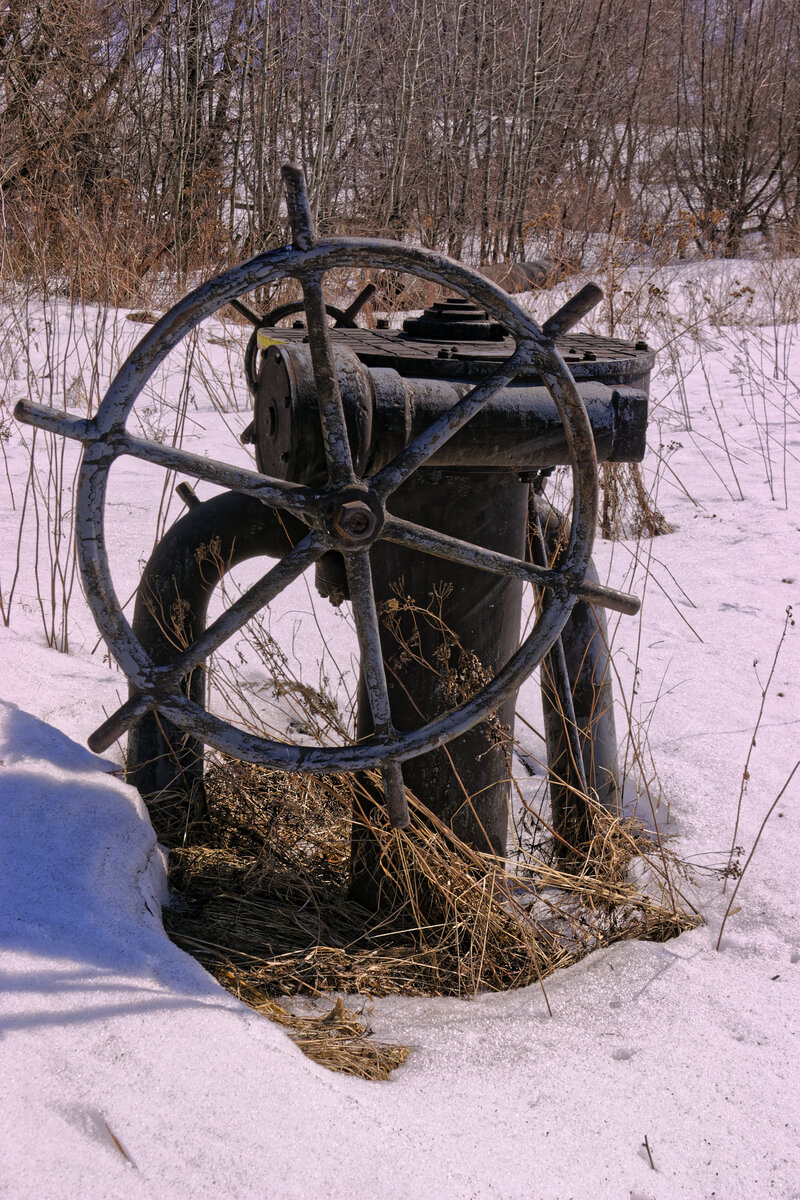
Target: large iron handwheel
x,y
347,515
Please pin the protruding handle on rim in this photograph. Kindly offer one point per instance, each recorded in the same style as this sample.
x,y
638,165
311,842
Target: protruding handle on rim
x,y
294,185
570,313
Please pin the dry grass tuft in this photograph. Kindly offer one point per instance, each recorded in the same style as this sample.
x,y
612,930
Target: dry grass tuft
x,y
260,869
339,1040
266,870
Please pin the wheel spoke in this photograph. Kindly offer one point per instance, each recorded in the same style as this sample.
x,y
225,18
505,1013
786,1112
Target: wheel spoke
x,y
329,396
394,791
246,312
326,379
441,545
119,722
365,615
348,318
415,454
274,492
244,609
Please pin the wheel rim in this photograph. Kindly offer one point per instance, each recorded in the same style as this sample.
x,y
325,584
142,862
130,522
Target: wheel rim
x,y
158,686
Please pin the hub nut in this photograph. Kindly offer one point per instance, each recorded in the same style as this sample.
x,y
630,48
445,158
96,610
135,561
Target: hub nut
x,y
354,521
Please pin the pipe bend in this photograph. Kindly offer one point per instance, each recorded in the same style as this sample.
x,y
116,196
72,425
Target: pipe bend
x,y
171,610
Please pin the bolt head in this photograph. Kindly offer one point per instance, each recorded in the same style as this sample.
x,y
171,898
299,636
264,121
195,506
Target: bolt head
x,y
354,521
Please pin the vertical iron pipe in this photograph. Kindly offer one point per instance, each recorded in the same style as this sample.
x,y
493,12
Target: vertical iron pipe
x,y
466,782
580,732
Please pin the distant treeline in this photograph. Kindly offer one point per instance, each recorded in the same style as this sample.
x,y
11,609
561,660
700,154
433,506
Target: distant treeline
x,y
147,135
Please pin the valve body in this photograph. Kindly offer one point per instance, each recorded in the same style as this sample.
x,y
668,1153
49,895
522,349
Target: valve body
x,y
394,384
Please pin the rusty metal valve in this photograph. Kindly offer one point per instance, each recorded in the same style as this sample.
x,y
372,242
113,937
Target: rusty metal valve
x,y
353,506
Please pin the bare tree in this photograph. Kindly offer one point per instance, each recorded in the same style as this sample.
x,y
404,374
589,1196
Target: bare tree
x,y
146,136
735,139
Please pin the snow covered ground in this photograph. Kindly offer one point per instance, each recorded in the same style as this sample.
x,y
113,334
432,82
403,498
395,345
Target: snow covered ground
x,y
664,1072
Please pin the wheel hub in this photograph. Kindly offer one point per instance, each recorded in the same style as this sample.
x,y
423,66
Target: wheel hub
x,y
353,518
